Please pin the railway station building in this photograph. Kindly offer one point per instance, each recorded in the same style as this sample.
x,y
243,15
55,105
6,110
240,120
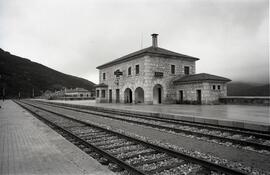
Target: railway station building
x,y
154,76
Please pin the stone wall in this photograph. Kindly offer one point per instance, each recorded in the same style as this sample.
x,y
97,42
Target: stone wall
x,y
158,64
124,81
246,100
208,94
146,78
99,97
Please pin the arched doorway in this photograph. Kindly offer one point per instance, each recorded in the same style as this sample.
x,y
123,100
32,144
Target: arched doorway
x,y
139,95
128,95
157,94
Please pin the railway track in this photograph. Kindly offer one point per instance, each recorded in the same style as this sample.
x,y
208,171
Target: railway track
x,y
124,154
244,138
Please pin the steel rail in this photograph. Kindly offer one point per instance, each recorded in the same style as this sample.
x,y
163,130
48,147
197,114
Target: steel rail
x,y
204,163
100,151
177,130
261,134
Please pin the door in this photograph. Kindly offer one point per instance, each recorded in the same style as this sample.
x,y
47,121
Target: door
x,y
117,96
159,95
180,97
199,96
110,96
130,96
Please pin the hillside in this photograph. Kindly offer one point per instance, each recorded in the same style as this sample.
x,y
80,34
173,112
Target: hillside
x,y
22,75
248,89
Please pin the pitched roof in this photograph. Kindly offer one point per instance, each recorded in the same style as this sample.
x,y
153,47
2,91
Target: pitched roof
x,y
76,90
101,85
148,51
200,78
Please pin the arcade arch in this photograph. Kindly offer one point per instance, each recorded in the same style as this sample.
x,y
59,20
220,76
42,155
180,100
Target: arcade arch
x,y
139,95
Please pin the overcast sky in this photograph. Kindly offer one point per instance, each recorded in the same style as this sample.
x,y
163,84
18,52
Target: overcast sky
x,y
230,37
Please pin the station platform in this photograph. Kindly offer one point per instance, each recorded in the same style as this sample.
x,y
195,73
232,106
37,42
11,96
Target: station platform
x,y
243,116
233,154
28,146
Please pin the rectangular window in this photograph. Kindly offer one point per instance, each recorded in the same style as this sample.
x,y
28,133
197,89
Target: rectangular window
x,y
218,87
186,70
97,93
102,93
137,69
104,76
129,71
214,87
172,69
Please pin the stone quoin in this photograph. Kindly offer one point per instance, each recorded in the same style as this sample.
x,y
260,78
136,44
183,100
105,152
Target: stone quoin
x,y
154,76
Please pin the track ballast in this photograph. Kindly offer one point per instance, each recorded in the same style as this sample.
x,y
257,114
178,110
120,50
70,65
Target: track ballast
x,y
124,154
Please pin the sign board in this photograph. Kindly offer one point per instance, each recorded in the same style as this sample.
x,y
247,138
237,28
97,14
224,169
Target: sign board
x,y
118,73
158,74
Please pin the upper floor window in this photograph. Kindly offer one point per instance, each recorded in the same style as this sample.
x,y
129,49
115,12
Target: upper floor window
x,y
102,93
129,71
104,76
186,70
97,93
214,87
172,69
137,69
218,87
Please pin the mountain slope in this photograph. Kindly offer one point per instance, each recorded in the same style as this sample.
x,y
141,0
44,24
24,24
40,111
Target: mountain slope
x,y
248,89
22,75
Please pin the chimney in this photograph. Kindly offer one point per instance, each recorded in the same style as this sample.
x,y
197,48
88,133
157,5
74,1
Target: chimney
x,y
154,40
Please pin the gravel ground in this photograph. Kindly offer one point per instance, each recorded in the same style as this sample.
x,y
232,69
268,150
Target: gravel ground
x,y
244,158
207,131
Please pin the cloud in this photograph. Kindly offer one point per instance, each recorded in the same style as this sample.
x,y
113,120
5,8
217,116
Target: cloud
x,y
230,37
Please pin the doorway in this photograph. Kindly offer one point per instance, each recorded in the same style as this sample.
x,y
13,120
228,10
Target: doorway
x,y
128,95
139,95
117,96
199,96
110,96
181,97
157,94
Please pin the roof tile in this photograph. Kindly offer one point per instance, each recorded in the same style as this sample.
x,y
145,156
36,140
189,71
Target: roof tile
x,y
200,77
148,50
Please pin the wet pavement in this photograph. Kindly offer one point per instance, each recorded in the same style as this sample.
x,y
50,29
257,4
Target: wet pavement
x,y
243,113
28,146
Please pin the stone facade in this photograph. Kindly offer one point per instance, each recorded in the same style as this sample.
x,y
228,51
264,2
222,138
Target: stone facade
x,y
154,82
146,79
209,94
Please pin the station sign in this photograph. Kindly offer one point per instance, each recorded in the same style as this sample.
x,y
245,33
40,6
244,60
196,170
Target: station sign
x,y
117,73
158,74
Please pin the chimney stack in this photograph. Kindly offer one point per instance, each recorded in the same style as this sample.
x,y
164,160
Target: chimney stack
x,y
154,40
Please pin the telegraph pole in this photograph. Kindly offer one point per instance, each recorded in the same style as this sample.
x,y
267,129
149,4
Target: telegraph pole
x,y
3,87
4,93
33,92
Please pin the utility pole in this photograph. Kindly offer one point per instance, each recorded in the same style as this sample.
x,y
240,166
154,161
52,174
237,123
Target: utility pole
x,y
4,93
3,87
33,93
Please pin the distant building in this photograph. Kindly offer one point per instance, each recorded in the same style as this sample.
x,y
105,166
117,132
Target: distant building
x,y
47,94
69,94
155,75
77,93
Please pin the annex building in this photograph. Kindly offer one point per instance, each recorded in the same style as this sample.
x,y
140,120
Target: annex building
x,y
155,75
